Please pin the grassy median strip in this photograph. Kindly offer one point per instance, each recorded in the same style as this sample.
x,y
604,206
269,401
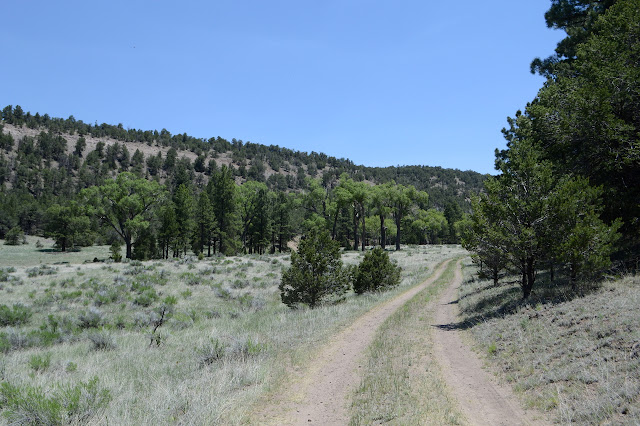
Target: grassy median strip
x,y
401,383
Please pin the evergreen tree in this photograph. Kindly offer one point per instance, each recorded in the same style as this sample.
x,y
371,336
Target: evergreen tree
x,y
222,190
205,223
316,274
184,208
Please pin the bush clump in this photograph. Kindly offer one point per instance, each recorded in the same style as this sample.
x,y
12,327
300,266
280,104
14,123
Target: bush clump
x,y
376,272
14,237
16,315
26,404
316,274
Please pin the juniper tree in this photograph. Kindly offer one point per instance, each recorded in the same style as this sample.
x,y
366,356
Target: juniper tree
x,y
316,274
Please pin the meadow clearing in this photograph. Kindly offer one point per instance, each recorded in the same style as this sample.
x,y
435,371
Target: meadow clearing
x,y
160,342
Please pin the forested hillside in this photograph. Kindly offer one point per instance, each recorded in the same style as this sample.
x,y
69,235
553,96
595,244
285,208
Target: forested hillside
x,y
50,166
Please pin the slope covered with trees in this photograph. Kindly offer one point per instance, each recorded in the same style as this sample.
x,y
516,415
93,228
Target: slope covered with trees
x,y
163,195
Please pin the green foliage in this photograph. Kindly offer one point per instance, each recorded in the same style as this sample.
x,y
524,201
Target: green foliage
x,y
16,315
116,251
146,298
125,204
316,274
66,224
66,404
530,216
14,237
376,272
39,363
584,119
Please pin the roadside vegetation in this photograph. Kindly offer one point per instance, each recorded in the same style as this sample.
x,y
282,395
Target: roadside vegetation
x,y
163,342
573,354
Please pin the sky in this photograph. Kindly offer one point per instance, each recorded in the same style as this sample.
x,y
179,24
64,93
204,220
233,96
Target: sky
x,y
408,82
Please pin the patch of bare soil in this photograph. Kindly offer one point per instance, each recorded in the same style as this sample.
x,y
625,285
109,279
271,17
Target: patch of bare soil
x,y
320,395
482,400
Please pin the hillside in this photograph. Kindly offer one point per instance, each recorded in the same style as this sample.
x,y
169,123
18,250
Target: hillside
x,y
280,168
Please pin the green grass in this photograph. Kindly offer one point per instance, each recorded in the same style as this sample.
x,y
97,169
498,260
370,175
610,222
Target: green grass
x,y
28,255
401,383
229,342
570,355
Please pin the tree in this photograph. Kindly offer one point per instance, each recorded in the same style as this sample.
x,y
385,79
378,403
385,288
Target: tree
x,y
316,274
453,213
168,231
376,272
247,197
81,144
484,237
529,214
222,190
184,207
402,199
381,203
205,223
66,224
583,241
125,204
281,229
14,236
602,90
578,19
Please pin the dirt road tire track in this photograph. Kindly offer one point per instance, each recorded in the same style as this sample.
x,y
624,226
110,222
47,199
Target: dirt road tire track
x,y
321,395
482,400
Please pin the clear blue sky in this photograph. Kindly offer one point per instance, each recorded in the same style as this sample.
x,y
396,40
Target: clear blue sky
x,y
379,82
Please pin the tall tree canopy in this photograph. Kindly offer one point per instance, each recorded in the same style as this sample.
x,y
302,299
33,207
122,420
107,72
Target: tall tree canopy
x,y
125,204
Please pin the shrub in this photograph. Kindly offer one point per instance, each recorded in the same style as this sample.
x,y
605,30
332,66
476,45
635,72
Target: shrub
x,y
40,363
376,272
14,237
102,341
16,315
316,274
5,346
116,251
41,270
64,405
210,352
91,318
146,298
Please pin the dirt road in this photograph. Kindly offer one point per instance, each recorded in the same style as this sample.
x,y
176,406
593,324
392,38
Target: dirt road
x,y
320,395
483,401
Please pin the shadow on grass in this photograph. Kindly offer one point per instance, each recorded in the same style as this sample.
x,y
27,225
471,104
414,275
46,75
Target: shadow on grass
x,y
508,299
58,251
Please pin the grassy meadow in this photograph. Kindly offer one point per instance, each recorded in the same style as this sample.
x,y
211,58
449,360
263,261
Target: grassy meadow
x,y
576,356
77,339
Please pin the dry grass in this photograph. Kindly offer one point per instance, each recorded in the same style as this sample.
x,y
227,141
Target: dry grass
x,y
402,383
576,357
229,341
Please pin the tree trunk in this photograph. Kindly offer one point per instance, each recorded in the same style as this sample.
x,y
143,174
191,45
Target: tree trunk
x,y
127,241
364,232
530,278
398,221
495,276
355,230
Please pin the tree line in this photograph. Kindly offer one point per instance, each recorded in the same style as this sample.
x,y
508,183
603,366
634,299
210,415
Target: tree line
x,y
42,177
567,198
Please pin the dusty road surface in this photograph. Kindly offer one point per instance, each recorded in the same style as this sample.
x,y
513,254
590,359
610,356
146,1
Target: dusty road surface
x,y
321,394
482,400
